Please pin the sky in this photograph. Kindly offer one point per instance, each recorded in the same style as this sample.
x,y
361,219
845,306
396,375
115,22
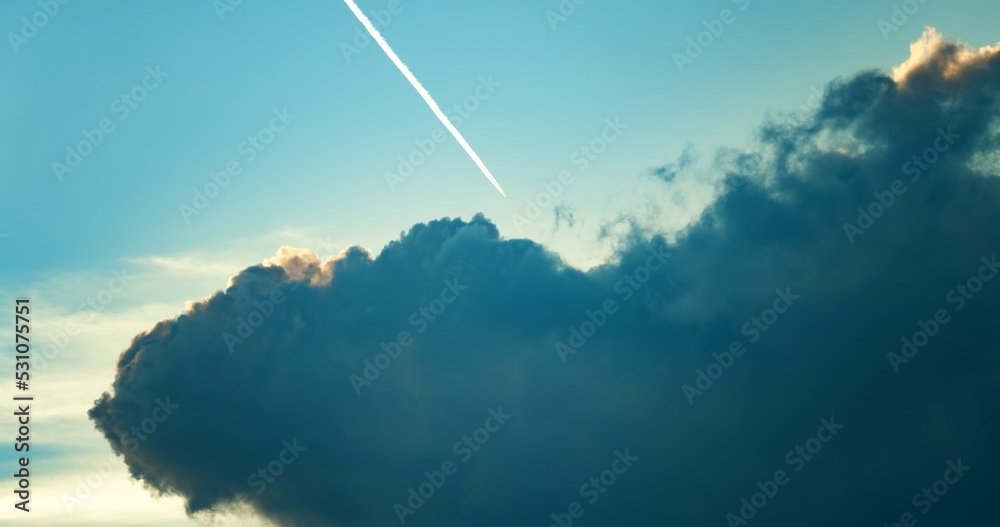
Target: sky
x,y
173,170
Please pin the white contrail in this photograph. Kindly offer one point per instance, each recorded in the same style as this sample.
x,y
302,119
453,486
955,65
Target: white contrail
x,y
422,91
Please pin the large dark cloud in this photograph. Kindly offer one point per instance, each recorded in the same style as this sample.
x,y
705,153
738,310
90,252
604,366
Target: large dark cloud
x,y
780,225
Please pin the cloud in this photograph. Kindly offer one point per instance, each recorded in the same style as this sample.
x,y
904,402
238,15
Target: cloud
x,y
668,173
711,359
564,214
934,55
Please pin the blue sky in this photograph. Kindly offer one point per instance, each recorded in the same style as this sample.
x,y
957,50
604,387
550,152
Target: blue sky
x,y
340,119
353,120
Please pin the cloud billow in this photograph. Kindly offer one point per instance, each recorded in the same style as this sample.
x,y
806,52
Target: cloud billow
x,y
781,230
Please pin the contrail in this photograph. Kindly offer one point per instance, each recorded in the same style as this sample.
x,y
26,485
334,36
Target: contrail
x,y
422,91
